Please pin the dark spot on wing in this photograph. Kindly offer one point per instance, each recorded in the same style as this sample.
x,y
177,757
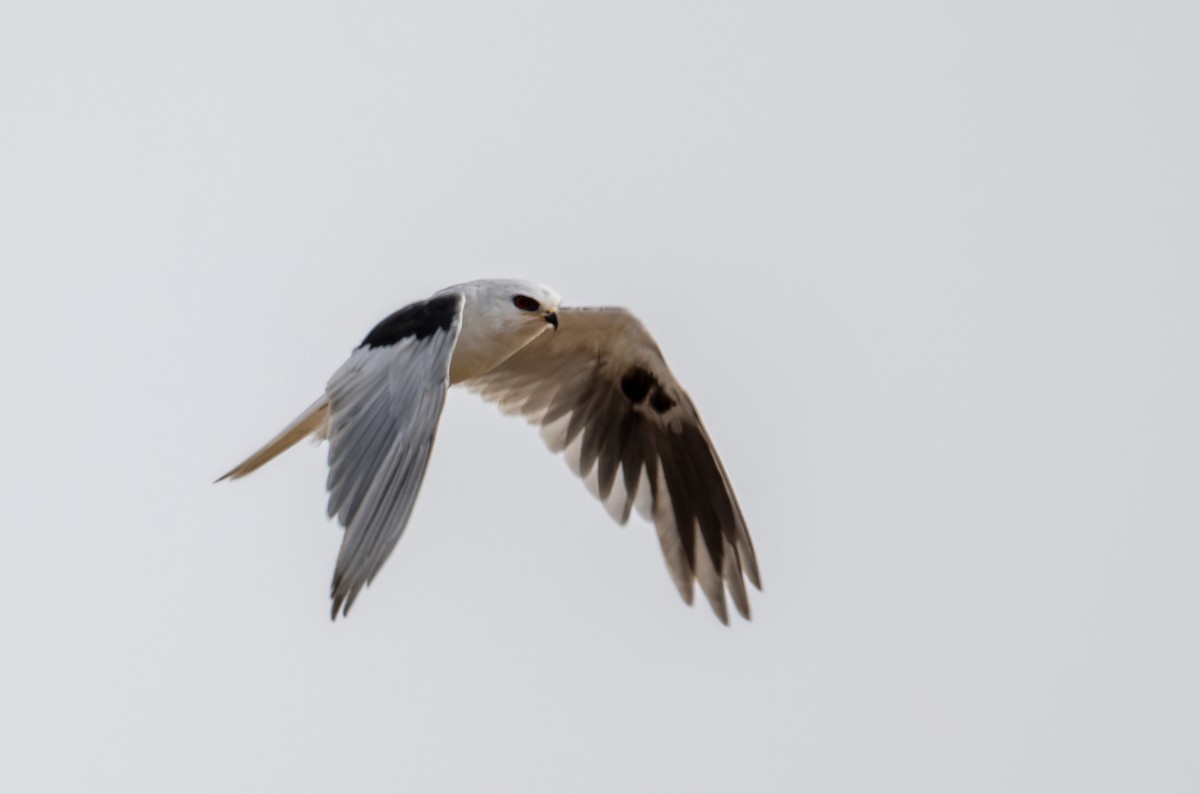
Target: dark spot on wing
x,y
636,384
418,321
660,402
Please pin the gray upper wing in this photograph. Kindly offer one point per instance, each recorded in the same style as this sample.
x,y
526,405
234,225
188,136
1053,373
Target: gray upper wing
x,y
603,394
384,406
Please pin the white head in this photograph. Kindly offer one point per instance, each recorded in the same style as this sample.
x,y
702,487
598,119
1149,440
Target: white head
x,y
500,316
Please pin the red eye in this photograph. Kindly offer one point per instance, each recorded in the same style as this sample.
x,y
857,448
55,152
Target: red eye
x,y
525,303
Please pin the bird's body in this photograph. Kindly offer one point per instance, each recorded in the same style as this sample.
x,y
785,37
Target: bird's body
x,y
593,379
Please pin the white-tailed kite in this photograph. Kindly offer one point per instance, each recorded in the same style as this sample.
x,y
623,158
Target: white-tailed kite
x,y
598,387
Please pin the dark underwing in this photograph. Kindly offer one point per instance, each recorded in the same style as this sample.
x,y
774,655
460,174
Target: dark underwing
x,y
639,383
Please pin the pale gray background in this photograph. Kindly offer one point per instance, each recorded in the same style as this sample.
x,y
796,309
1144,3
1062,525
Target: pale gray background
x,y
929,270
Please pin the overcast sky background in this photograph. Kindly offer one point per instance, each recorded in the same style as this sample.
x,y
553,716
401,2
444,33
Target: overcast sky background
x,y
929,271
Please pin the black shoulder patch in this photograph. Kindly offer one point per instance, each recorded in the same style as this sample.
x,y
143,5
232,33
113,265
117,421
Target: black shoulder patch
x,y
636,384
418,321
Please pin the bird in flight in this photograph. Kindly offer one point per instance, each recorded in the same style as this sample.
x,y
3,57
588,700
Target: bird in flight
x,y
594,381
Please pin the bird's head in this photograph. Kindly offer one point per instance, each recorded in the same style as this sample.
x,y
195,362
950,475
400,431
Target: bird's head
x,y
510,305
499,317
532,302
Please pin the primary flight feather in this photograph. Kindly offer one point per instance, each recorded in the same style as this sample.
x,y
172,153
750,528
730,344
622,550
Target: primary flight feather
x,y
593,379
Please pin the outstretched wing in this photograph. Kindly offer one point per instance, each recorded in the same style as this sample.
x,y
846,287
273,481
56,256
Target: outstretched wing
x,y
384,406
601,391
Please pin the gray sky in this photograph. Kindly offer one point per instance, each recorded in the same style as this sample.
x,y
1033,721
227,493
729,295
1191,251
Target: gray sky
x,y
929,271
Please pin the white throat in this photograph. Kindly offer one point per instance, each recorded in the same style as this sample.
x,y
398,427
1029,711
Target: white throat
x,y
492,329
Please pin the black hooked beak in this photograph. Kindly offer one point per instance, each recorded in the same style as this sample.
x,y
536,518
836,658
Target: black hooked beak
x,y
552,318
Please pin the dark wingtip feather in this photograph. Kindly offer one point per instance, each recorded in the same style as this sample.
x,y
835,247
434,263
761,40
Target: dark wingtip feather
x,y
342,600
750,566
235,473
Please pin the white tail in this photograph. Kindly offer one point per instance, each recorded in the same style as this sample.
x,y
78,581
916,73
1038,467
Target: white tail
x,y
314,421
